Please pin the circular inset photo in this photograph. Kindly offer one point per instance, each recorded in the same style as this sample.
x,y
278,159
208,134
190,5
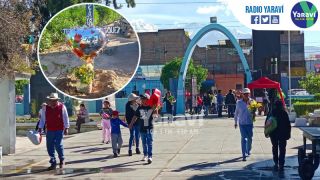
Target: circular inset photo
x,y
88,51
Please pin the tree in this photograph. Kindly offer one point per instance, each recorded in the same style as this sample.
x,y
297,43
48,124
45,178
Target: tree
x,y
74,17
311,83
20,85
14,27
171,70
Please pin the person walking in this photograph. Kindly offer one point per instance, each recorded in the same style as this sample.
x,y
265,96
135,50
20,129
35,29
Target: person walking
x,y
144,115
116,137
265,102
169,100
219,103
106,128
230,102
82,117
279,135
244,117
106,108
131,108
206,103
43,108
55,116
199,105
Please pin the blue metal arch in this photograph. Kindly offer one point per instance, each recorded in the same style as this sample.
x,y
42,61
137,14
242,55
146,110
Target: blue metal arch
x,y
188,54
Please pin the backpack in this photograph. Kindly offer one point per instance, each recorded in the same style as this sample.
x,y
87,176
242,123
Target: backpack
x,y
270,126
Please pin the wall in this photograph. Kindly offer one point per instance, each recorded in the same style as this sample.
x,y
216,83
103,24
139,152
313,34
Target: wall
x,y
228,81
7,118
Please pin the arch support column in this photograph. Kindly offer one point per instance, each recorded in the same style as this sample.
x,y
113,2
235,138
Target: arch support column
x,y
188,54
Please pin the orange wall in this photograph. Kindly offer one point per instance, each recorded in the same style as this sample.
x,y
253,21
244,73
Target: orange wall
x,y
227,81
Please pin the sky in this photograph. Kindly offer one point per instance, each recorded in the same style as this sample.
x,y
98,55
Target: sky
x,y
151,15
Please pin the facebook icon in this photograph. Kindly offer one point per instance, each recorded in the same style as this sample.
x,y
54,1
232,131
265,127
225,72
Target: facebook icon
x,y
255,19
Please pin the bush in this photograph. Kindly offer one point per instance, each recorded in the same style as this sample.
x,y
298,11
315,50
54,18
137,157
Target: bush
x,y
294,100
304,108
317,97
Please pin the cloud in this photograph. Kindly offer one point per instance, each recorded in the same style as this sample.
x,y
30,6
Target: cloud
x,y
141,26
210,9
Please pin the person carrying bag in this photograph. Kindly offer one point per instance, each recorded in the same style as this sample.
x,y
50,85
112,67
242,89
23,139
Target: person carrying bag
x,y
278,128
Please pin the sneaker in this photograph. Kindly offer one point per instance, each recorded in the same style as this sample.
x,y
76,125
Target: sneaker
x,y
145,158
149,160
52,167
61,165
115,155
138,151
244,159
130,152
102,141
118,151
275,168
107,142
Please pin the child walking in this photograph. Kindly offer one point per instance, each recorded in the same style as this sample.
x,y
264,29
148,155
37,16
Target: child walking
x,y
116,137
106,128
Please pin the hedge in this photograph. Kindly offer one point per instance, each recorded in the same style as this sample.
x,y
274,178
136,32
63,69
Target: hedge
x,y
304,108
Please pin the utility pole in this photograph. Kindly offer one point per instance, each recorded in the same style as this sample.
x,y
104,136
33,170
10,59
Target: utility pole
x,y
289,69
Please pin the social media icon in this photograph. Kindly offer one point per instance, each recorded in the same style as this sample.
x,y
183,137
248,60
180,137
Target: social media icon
x,y
255,19
275,19
265,19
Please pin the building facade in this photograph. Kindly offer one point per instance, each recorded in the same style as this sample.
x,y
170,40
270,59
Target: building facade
x,y
271,56
221,60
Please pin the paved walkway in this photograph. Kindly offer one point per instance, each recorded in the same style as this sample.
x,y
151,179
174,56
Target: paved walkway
x,y
192,149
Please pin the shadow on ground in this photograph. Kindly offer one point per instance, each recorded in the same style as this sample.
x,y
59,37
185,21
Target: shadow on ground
x,y
257,170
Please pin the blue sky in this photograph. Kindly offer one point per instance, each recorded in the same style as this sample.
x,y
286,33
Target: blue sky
x,y
191,15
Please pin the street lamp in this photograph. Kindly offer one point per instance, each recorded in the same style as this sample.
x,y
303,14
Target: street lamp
x,y
274,65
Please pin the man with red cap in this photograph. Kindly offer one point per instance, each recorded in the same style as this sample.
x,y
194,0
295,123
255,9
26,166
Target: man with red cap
x,y
116,137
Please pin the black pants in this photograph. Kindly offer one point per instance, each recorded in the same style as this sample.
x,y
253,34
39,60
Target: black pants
x,y
278,151
79,122
220,110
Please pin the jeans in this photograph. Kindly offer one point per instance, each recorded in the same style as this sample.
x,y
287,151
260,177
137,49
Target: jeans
x,y
147,139
116,140
55,143
220,110
231,109
246,138
206,110
134,133
278,145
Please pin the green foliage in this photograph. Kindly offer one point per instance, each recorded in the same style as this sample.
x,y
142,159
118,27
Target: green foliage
x,y
304,108
171,70
20,85
317,97
311,83
34,108
74,17
84,74
294,100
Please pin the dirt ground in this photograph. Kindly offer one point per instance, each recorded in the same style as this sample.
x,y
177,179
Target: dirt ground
x,y
105,83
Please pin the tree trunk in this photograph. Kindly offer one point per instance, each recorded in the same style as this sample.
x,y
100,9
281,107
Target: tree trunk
x,y
7,115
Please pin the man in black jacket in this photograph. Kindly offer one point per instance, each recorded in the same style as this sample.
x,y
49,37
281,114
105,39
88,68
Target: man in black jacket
x,y
230,101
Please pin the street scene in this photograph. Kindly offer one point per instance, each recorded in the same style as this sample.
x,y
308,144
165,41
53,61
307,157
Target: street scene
x,y
181,90
185,149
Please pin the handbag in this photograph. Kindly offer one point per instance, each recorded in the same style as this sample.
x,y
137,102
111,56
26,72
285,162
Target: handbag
x,y
270,126
35,137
